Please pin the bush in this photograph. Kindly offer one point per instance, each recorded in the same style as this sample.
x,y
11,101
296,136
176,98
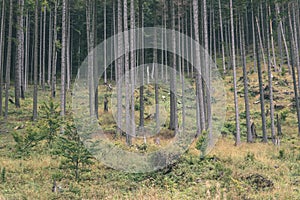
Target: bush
x,y
202,143
46,128
70,147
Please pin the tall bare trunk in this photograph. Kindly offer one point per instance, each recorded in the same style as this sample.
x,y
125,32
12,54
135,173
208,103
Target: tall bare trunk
x,y
269,30
36,37
20,51
54,53
237,119
132,65
200,106
2,53
8,59
246,94
50,49
63,61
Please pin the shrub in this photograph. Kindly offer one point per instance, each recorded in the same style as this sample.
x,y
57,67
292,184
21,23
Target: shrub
x,y
202,143
72,149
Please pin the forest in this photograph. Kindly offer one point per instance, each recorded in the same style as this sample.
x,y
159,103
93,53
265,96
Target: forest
x,y
149,99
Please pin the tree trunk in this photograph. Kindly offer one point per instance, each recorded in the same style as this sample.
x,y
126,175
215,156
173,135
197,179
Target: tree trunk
x,y
222,38
8,59
237,120
253,35
261,44
173,101
44,49
293,52
127,99
132,65
283,37
27,58
36,37
54,54
2,53
272,41
261,90
246,96
140,20
119,67
269,30
20,51
50,49
63,62
200,106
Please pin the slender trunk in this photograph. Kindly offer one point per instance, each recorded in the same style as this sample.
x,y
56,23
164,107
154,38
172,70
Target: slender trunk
x,y
63,62
50,49
297,59
173,99
2,53
261,90
141,124
27,58
246,94
44,49
36,37
22,47
41,49
261,44
272,41
283,37
105,48
127,99
132,65
68,46
237,120
95,68
8,59
119,66
20,51
269,30
54,54
293,53
253,35
200,106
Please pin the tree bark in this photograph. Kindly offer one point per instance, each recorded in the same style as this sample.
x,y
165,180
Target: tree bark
x,y
54,54
246,92
269,30
63,62
8,59
20,51
222,38
237,119
261,90
2,54
36,37
200,106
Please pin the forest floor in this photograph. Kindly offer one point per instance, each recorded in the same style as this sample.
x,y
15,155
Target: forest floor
x,y
249,171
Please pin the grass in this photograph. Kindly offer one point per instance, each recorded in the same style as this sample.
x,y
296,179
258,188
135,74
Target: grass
x,y
224,174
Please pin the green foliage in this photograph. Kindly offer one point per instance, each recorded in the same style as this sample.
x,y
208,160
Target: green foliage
x,y
228,128
50,121
3,175
281,154
283,71
25,142
70,147
283,115
46,128
250,157
202,143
